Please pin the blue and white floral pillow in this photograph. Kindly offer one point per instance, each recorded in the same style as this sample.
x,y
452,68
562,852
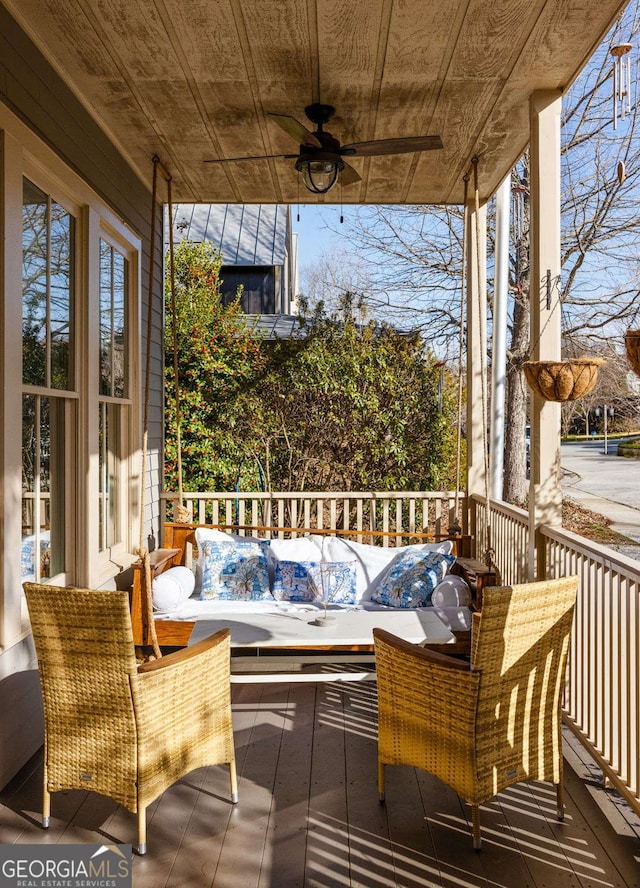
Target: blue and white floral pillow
x,y
234,570
313,580
411,579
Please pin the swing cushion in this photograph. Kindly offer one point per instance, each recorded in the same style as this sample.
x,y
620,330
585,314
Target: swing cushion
x,y
302,581
411,579
372,562
172,588
234,570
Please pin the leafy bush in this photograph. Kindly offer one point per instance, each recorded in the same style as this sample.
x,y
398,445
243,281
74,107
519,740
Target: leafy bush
x,y
346,406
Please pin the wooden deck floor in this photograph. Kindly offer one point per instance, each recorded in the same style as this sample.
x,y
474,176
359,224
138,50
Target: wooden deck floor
x,y
309,815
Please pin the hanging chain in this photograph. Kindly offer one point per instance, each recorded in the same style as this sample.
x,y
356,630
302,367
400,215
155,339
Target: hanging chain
x,y
147,373
143,551
181,513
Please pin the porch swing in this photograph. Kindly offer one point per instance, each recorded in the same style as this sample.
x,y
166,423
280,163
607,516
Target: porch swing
x,y
179,535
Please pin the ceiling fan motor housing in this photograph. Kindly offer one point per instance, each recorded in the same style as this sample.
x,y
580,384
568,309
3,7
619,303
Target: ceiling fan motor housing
x,y
330,151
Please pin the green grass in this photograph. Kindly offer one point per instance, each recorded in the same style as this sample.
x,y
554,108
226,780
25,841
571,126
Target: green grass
x,y
611,437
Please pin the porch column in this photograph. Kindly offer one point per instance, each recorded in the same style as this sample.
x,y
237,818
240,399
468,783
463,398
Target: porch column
x,y
545,496
476,260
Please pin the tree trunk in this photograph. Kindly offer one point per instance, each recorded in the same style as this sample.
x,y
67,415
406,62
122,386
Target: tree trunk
x,y
514,489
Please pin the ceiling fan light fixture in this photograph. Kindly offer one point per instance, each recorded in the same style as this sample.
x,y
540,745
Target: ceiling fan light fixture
x,y
319,174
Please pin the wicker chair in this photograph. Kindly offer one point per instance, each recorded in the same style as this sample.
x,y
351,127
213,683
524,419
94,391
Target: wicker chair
x,y
112,726
484,725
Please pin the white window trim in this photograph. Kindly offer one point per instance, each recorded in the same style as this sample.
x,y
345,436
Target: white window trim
x,y
104,565
23,154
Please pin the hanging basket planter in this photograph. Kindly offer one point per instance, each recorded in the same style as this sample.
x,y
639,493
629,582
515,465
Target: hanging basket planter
x,y
562,380
632,347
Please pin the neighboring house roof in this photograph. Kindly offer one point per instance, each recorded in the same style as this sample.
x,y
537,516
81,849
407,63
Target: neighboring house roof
x,y
249,234
281,326
277,326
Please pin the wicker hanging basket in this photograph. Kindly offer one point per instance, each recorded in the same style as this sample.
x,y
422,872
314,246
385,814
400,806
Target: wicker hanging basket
x,y
632,347
562,380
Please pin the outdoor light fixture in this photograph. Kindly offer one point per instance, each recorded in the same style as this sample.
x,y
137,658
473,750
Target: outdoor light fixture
x,y
319,170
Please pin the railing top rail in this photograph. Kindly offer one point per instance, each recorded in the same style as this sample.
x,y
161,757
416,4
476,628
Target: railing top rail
x,y
315,494
608,558
333,531
502,508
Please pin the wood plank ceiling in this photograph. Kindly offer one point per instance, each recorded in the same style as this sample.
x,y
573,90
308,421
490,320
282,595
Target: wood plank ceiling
x,y
193,79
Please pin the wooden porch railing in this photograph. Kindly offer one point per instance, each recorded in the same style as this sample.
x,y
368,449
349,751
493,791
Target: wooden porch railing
x,y
602,703
602,695
509,538
387,511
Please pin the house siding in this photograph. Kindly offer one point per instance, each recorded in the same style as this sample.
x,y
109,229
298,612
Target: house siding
x,y
36,94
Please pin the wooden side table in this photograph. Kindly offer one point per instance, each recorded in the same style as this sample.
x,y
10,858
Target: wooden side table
x,y
477,575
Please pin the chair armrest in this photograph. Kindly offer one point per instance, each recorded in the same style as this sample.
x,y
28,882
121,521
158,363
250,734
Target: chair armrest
x,y
195,650
439,691
421,653
182,712
184,687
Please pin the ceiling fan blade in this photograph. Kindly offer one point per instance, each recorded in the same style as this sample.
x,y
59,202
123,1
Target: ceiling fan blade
x,y
349,176
295,129
255,157
392,146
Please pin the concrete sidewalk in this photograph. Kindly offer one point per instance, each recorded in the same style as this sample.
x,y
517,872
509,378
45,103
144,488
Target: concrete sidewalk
x,y
605,483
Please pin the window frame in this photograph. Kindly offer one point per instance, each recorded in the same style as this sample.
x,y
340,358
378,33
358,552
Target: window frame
x,y
105,564
71,396
24,155
108,561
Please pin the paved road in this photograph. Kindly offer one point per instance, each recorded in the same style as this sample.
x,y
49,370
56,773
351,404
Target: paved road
x,y
606,483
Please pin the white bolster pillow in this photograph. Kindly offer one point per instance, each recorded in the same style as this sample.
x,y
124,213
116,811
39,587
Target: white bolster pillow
x,y
172,588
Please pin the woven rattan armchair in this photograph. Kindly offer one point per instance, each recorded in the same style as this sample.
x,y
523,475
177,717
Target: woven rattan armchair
x,y
112,726
483,725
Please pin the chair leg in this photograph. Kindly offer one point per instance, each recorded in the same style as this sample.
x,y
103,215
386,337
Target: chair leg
x,y
233,776
142,831
559,801
46,808
381,793
475,822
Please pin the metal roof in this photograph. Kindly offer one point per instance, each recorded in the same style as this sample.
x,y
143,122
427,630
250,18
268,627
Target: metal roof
x,y
277,326
250,234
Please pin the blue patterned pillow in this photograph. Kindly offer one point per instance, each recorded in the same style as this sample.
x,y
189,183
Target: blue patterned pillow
x,y
306,580
235,570
411,579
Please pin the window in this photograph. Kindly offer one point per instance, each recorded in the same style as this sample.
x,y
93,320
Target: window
x,y
114,405
48,247
259,288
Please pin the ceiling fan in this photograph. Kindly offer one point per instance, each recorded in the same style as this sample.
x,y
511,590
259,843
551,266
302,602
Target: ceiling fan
x,y
320,159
